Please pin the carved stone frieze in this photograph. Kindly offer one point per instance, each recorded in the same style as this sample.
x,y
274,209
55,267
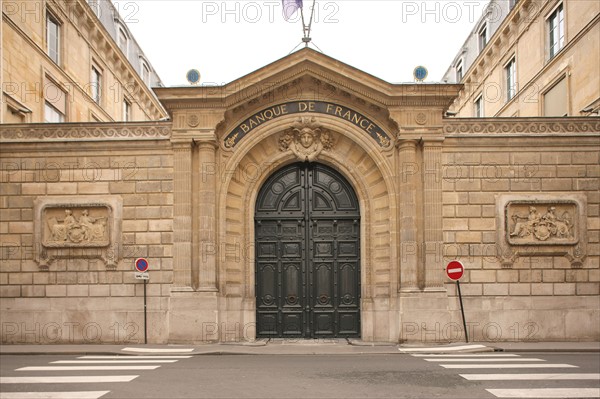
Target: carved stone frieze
x,y
306,139
533,126
85,132
542,225
78,227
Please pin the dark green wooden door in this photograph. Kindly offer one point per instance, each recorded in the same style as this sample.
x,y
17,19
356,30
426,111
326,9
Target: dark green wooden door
x,y
307,226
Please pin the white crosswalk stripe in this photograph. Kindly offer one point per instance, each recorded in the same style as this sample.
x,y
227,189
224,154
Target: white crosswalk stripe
x,y
126,357
509,366
517,359
512,361
531,377
85,368
158,350
124,361
546,393
107,363
53,395
76,379
465,355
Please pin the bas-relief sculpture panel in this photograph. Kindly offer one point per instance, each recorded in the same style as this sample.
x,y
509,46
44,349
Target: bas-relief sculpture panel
x,y
83,227
542,225
66,226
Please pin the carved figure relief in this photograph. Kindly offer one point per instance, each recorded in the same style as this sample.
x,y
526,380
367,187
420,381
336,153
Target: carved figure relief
x,y
542,226
306,139
86,227
527,225
70,230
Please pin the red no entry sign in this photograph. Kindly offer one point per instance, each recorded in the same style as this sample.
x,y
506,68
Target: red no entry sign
x,y
141,264
455,270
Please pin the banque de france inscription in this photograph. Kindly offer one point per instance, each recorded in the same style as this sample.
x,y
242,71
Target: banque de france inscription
x,y
318,107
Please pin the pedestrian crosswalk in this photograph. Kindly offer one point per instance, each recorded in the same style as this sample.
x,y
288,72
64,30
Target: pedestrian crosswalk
x,y
500,361
23,387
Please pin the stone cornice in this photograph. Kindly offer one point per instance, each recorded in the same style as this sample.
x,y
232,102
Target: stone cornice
x,y
521,126
65,132
307,62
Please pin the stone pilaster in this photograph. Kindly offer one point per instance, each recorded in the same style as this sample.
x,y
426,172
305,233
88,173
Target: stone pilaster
x,y
409,173
182,216
432,214
207,187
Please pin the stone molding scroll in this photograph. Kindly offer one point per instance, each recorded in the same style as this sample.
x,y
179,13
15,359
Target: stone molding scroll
x,y
306,139
84,227
85,132
542,225
531,126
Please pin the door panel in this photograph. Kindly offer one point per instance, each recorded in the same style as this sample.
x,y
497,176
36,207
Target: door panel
x,y
307,226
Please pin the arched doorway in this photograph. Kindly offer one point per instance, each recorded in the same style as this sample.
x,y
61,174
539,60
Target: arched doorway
x,y
307,226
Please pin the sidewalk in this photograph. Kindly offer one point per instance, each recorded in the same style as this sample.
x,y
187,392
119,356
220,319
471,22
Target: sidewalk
x,y
297,347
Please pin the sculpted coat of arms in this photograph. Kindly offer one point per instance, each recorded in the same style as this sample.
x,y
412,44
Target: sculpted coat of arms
x,y
306,139
542,226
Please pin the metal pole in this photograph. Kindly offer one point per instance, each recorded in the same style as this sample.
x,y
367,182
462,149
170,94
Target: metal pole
x,y
462,311
145,318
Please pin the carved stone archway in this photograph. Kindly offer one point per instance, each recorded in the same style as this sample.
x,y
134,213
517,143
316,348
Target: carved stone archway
x,y
368,169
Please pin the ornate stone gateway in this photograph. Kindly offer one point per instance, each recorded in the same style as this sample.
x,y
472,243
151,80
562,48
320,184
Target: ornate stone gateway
x,y
307,254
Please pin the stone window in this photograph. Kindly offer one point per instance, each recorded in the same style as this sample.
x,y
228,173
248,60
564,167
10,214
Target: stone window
x,y
55,102
482,37
122,40
478,105
95,6
126,110
17,112
96,84
53,37
145,72
459,71
555,99
556,31
510,72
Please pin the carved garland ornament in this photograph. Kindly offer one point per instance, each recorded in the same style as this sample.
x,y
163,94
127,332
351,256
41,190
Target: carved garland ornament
x,y
306,139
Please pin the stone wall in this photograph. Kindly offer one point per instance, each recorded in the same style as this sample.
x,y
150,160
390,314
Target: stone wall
x,y
539,279
61,281
80,202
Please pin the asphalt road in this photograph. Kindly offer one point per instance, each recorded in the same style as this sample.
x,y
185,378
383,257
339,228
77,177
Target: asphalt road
x,y
302,376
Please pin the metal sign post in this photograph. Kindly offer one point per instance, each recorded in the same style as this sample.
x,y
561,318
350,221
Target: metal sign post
x,y
454,271
146,322
142,265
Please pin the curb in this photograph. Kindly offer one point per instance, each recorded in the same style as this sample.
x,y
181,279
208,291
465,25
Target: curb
x,y
263,348
472,348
